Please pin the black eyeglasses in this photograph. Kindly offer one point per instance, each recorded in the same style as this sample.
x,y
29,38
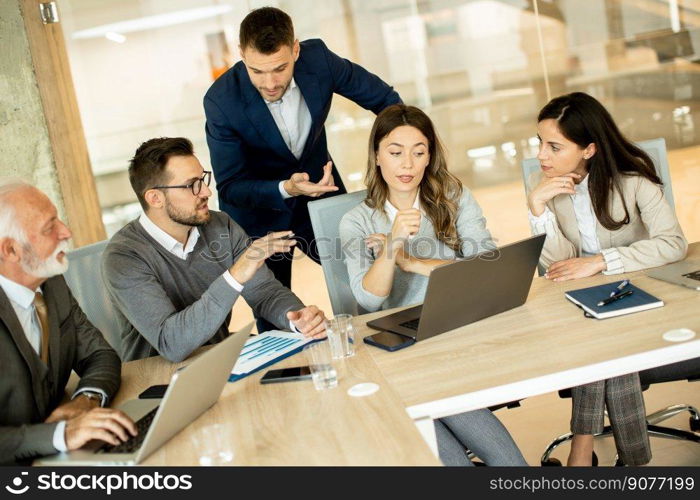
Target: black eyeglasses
x,y
195,186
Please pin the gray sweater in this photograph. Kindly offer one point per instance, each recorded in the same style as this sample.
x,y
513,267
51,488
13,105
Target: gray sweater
x,y
408,288
170,306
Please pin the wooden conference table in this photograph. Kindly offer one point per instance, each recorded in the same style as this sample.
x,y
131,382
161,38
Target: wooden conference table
x,y
540,347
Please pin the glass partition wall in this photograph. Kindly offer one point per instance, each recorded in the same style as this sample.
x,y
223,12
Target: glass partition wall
x,y
480,68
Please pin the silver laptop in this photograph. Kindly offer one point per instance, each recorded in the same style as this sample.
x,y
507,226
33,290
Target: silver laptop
x,y
469,290
684,273
191,392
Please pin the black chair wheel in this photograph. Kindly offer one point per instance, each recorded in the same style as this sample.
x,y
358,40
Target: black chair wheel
x,y
551,462
555,462
694,424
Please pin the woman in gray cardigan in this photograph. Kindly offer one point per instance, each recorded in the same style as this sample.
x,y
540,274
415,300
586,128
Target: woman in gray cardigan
x,y
599,201
418,216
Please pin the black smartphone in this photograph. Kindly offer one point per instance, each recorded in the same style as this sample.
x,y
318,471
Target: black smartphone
x,y
154,392
389,341
286,375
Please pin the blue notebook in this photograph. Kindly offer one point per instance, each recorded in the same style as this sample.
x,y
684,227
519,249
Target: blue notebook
x,y
588,298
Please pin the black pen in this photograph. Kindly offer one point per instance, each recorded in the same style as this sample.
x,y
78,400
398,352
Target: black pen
x,y
612,299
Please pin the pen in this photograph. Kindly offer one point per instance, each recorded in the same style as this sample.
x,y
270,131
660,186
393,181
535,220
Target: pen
x,y
619,288
612,299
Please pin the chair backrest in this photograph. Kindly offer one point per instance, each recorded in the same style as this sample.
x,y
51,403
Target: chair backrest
x,y
84,278
325,218
655,148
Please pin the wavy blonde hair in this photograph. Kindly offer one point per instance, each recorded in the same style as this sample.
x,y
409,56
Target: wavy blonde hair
x,y
440,191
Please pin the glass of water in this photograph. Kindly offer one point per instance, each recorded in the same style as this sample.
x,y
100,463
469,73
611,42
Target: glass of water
x,y
323,374
214,444
341,335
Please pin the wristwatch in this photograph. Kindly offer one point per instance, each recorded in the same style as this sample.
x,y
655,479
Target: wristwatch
x,y
92,395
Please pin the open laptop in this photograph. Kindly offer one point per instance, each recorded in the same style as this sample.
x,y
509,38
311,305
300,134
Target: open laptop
x,y
469,290
684,273
191,391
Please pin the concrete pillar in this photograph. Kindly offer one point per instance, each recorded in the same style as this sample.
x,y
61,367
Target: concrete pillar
x,y
25,146
41,135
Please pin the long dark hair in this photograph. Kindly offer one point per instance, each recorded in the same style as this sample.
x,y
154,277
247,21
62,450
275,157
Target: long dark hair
x,y
440,191
584,120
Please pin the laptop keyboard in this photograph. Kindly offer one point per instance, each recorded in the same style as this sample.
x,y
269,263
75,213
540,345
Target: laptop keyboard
x,y
411,325
134,442
695,275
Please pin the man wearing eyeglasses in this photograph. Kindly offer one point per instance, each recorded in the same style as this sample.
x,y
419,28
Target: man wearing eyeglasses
x,y
176,271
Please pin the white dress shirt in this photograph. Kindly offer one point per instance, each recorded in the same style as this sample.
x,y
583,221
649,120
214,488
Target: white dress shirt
x,y
392,211
22,300
587,223
182,251
178,249
293,120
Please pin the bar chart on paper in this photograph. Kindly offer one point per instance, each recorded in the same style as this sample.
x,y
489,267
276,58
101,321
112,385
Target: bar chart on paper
x,y
266,348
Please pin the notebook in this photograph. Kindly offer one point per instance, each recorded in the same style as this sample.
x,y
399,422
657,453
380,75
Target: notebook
x,y
588,298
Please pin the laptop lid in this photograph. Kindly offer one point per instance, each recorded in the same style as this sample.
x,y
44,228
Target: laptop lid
x,y
469,290
465,291
685,273
193,390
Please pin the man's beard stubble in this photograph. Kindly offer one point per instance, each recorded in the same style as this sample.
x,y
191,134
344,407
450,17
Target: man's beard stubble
x,y
186,219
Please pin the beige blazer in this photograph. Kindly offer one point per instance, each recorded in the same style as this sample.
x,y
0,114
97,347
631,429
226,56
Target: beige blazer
x,y
652,238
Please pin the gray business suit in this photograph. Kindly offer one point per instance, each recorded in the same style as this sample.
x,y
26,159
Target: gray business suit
x,y
29,389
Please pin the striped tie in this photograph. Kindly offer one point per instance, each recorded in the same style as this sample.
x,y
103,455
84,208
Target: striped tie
x,y
43,315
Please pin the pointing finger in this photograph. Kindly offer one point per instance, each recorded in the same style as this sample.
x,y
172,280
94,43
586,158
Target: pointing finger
x,y
327,174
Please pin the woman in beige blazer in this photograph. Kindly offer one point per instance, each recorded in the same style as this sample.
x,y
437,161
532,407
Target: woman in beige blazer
x,y
600,202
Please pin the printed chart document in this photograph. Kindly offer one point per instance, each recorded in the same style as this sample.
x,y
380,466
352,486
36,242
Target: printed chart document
x,y
265,349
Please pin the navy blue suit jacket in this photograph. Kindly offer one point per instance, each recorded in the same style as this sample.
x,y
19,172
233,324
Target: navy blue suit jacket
x,y
248,154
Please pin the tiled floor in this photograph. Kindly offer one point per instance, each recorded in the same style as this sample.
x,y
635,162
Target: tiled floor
x,y
541,419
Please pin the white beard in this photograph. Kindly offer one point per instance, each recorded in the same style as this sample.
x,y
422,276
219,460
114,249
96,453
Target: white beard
x,y
50,266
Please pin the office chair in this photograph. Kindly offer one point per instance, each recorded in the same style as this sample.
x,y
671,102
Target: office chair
x,y
656,149
325,217
84,278
685,370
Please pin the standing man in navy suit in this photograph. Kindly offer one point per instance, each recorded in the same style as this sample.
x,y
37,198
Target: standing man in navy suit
x,y
265,129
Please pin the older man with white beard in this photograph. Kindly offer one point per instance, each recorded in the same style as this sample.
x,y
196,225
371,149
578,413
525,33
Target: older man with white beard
x,y
43,336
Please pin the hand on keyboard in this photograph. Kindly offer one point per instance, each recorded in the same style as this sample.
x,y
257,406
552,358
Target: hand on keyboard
x,y
105,424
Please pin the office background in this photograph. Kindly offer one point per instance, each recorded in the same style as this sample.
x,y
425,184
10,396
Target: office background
x,y
481,69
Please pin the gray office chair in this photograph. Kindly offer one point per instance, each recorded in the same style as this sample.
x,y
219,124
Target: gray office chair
x,y
84,279
655,148
325,217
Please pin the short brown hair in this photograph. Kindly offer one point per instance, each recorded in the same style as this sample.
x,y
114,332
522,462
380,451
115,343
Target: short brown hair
x,y
147,167
266,29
